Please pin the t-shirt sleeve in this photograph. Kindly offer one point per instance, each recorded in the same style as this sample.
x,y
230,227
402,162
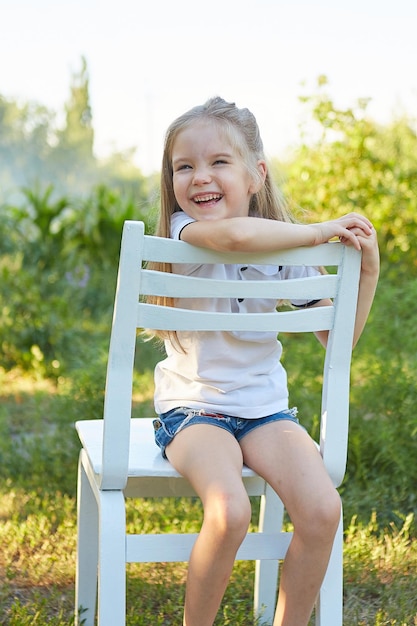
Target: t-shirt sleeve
x,y
179,220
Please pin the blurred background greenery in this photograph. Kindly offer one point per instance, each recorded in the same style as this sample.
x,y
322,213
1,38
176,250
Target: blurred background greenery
x,y
61,216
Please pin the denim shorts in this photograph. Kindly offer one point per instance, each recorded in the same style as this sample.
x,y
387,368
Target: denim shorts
x,y
170,423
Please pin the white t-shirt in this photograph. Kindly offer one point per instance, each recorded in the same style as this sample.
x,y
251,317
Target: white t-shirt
x,y
234,373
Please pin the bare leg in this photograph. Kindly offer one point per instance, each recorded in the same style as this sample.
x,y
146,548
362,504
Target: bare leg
x,y
284,454
211,459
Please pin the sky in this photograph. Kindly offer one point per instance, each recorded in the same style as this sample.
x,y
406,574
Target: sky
x,y
150,60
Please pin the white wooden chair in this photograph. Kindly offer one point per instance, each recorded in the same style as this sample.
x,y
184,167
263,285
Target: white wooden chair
x,y
119,458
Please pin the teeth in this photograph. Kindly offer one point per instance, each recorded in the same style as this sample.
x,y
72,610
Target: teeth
x,y
208,197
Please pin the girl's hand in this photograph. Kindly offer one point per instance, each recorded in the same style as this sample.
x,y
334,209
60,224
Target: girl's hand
x,y
370,251
348,228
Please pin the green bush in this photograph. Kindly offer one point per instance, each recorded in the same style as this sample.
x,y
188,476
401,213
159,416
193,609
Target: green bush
x,y
58,270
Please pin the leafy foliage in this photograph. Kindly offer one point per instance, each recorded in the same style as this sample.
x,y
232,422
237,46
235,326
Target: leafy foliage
x,y
347,163
58,267
58,264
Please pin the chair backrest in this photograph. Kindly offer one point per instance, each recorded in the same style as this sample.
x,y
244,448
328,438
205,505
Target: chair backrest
x,y
131,313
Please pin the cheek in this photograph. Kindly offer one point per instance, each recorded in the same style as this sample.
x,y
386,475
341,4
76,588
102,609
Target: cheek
x,y
176,186
180,193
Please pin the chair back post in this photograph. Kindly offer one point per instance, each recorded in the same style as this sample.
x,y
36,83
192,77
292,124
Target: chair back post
x,y
336,379
119,379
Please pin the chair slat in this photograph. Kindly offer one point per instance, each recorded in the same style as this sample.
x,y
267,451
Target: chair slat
x,y
167,251
153,317
179,286
177,547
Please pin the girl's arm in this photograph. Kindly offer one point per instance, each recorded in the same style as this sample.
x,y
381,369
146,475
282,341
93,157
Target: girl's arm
x,y
368,280
252,234
367,285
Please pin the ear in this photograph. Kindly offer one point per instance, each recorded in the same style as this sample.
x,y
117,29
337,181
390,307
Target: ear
x,y
259,180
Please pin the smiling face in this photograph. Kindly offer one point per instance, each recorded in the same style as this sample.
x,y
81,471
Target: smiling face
x,y
210,178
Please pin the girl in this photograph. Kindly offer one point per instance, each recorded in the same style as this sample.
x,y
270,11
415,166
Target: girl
x,y
221,397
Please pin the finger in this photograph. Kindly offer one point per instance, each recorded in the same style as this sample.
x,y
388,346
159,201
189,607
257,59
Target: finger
x,y
353,220
349,237
361,218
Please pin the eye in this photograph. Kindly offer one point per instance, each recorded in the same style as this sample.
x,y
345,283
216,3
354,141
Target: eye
x,y
222,158
183,166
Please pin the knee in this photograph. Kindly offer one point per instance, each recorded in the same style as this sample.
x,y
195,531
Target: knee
x,y
321,521
228,514
329,512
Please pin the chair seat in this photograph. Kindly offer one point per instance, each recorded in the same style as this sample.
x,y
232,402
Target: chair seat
x,y
145,458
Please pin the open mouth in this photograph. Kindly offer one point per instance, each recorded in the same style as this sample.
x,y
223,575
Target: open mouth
x,y
207,198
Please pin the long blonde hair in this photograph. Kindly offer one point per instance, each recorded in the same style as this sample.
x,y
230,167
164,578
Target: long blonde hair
x,y
242,130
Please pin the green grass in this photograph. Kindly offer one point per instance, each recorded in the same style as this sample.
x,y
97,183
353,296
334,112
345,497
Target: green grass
x,y
38,456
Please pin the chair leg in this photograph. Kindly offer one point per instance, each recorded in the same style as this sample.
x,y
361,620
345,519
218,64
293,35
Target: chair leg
x,y
329,606
271,517
112,559
87,551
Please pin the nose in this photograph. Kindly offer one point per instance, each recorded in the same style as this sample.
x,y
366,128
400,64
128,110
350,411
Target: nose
x,y
201,176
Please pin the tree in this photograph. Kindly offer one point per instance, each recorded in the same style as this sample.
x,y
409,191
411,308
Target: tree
x,y
25,131
77,137
354,164
33,152
72,160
